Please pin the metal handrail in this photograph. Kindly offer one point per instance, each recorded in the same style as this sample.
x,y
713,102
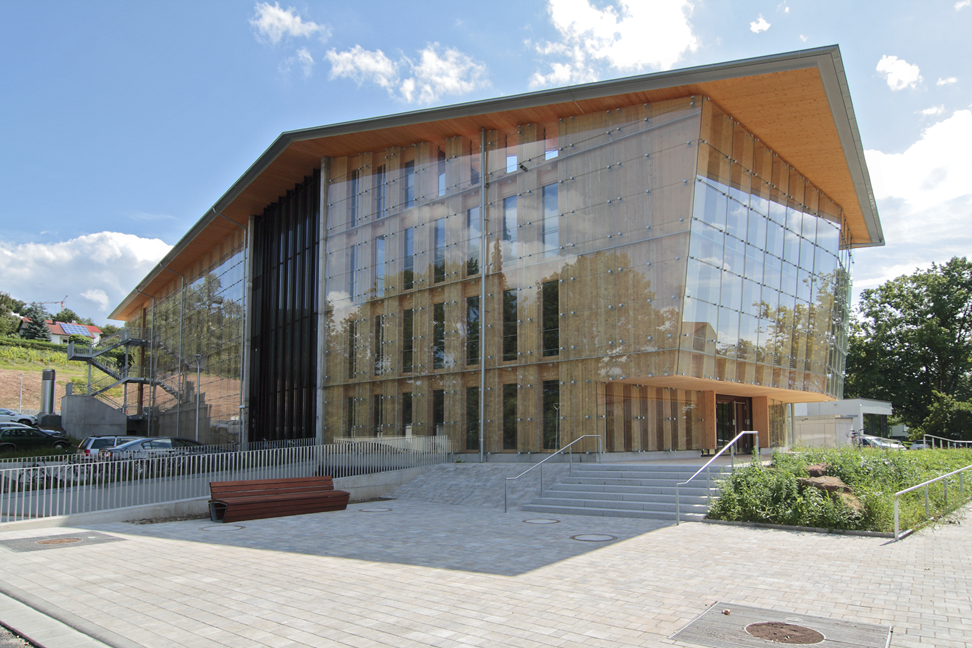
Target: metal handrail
x,y
950,442
570,468
959,472
731,444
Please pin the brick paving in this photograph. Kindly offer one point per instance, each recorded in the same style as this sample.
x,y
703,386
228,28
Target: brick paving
x,y
432,574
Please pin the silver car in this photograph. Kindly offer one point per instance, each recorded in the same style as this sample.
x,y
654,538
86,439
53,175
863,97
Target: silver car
x,y
93,447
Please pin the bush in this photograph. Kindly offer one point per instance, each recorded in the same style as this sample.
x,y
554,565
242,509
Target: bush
x,y
772,495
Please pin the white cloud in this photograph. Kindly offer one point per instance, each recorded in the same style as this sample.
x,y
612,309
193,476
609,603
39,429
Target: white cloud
x,y
96,271
935,169
962,3
803,38
933,111
303,59
759,25
949,80
631,37
439,71
899,73
273,23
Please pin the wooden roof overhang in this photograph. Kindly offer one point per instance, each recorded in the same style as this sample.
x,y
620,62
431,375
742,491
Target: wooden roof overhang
x,y
798,104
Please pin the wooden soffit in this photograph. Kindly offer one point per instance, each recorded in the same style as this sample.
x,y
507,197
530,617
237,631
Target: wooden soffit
x,y
731,388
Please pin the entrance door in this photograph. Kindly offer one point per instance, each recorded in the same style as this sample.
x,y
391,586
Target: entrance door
x,y
733,415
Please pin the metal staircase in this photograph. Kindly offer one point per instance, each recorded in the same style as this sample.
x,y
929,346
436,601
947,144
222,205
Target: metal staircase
x,y
630,490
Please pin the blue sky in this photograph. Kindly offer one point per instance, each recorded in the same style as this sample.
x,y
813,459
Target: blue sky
x,y
123,122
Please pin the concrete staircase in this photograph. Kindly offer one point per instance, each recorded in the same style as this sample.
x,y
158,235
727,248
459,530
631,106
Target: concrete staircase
x,y
629,490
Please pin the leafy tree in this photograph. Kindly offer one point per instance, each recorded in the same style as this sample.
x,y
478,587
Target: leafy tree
x,y
913,338
69,316
948,418
34,327
109,329
9,307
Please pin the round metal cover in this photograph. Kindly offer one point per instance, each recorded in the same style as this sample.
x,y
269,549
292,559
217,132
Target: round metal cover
x,y
223,527
58,541
374,510
593,537
541,521
784,633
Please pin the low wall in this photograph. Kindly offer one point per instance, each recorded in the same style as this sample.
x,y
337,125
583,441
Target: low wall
x,y
83,416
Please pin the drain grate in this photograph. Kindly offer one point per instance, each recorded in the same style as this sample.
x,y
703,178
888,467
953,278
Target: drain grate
x,y
42,543
747,627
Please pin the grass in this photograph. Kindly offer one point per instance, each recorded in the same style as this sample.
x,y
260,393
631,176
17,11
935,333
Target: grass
x,y
772,495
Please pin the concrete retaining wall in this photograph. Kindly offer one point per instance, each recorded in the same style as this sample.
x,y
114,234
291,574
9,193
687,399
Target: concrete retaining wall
x,y
83,416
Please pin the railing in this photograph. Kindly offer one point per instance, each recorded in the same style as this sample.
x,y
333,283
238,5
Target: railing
x,y
38,489
732,445
943,442
960,472
570,466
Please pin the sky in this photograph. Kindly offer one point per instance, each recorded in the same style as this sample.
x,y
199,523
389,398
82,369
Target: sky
x,y
122,122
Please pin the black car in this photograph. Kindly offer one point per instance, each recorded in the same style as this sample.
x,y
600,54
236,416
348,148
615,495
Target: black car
x,y
16,438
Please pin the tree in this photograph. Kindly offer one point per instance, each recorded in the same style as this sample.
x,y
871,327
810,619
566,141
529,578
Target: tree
x,y
947,418
913,337
110,329
9,321
69,316
34,327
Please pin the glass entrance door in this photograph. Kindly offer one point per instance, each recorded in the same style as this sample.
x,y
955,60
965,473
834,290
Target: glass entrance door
x,y
733,415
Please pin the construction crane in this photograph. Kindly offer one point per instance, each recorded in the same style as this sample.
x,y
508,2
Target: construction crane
x,y
56,302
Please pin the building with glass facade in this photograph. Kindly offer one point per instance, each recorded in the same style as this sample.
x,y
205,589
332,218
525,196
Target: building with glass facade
x,y
661,260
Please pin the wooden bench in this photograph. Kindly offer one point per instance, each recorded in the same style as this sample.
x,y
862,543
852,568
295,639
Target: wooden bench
x,y
253,499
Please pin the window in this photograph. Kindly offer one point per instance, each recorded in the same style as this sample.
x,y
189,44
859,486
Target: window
x,y
409,184
406,413
353,199
438,267
379,266
438,336
551,318
349,417
551,405
352,348
380,192
380,360
509,228
509,324
408,318
408,267
473,236
353,272
473,166
438,412
551,221
509,417
511,164
376,408
472,418
472,330
442,174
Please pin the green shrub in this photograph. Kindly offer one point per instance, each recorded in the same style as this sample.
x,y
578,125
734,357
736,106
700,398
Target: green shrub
x,y
772,495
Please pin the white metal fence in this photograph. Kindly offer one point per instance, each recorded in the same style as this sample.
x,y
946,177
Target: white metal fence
x,y
49,486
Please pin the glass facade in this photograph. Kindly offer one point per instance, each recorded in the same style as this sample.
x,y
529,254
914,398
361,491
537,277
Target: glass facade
x,y
198,331
519,288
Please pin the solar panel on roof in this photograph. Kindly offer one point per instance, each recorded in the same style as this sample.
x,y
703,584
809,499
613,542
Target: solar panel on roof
x,y
76,329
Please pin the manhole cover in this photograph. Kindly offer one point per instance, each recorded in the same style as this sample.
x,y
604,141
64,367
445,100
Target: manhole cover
x,y
58,541
50,543
593,537
374,510
784,633
541,521
222,527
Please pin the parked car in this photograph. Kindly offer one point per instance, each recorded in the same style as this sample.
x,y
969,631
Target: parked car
x,y
10,416
16,438
880,442
920,445
92,447
56,433
151,448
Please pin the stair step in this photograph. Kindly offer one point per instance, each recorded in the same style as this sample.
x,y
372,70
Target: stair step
x,y
667,489
614,497
648,515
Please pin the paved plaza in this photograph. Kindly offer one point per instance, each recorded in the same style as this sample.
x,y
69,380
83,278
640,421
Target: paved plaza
x,y
410,573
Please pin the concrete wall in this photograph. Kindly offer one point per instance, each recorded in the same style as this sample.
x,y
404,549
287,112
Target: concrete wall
x,y
82,416
822,431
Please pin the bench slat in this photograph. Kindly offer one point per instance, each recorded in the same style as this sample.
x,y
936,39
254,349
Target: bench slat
x,y
234,501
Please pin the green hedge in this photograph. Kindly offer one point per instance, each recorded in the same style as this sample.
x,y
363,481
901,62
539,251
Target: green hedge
x,y
33,344
771,494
